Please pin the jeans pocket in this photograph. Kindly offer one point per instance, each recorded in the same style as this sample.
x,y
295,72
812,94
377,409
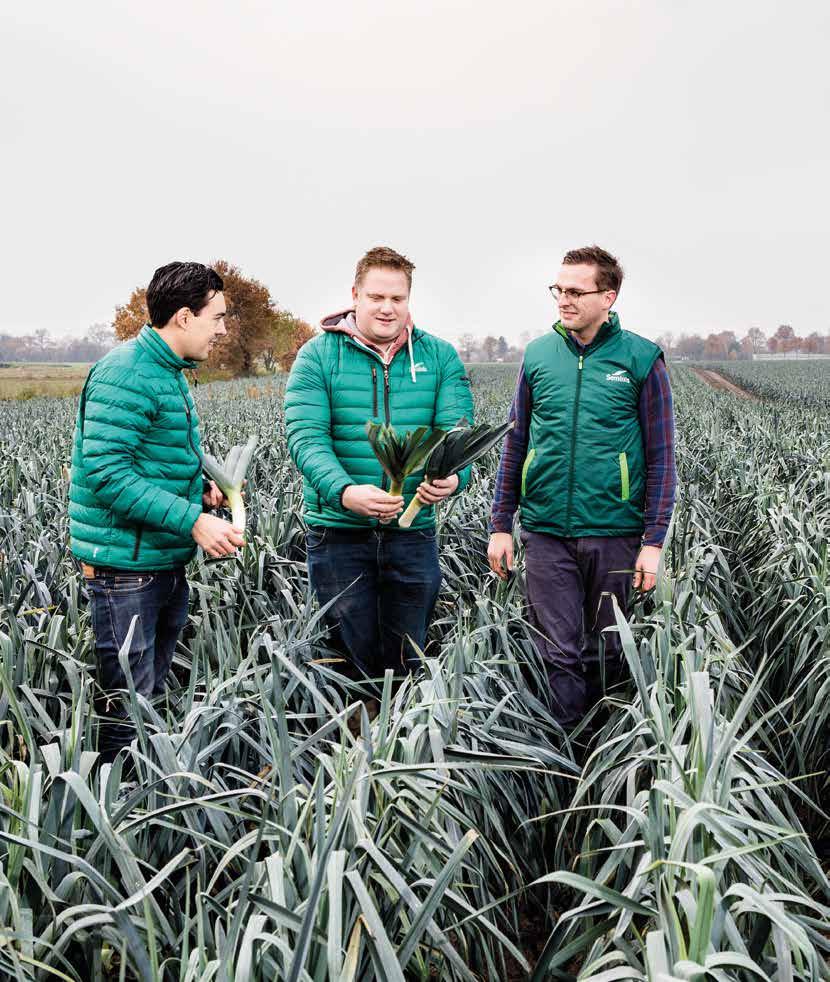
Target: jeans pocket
x,y
429,535
315,536
126,582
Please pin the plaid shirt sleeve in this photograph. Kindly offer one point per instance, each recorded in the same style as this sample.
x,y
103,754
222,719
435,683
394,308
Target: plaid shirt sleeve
x,y
513,453
657,423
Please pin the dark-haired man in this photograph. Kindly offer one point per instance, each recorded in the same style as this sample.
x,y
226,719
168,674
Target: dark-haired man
x,y
371,362
590,465
136,498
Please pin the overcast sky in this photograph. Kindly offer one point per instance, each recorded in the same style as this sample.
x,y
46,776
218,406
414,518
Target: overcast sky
x,y
481,139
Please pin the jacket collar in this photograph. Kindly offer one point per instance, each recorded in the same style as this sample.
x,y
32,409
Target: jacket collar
x,y
151,341
608,330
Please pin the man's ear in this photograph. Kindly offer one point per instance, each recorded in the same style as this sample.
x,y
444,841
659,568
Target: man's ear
x,y
354,293
181,317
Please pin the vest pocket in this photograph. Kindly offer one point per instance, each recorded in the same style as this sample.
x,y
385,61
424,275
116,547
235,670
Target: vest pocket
x,y
526,468
625,490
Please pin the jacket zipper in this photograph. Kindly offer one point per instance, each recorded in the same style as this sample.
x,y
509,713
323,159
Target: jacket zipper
x,y
374,390
137,542
386,393
573,448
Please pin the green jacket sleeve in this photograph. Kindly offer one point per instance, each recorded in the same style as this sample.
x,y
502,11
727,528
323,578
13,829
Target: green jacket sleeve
x,y
454,400
118,412
308,427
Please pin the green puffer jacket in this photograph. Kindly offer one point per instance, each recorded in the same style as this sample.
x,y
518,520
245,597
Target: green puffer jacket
x,y
336,385
136,486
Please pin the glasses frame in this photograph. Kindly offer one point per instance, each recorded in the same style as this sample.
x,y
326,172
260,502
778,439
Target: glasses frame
x,y
573,295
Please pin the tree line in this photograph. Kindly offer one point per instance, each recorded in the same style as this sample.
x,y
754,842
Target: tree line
x,y
260,332
42,347
725,346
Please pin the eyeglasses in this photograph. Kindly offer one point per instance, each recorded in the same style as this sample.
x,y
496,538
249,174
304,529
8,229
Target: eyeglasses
x,y
559,293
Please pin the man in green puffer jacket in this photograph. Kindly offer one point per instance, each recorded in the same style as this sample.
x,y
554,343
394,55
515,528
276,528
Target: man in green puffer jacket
x,y
371,362
136,495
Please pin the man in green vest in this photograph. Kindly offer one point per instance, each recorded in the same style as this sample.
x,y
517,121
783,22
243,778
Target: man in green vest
x,y
136,498
589,465
370,362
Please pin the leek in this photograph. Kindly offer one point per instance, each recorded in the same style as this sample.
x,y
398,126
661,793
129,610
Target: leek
x,y
401,456
229,476
463,445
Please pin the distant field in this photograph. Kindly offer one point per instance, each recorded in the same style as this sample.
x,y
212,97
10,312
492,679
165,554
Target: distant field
x,y
22,380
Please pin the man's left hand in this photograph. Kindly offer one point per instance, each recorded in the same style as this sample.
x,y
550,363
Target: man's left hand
x,y
431,492
646,569
213,498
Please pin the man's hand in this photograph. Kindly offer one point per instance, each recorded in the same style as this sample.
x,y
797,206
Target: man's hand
x,y
500,553
371,502
216,536
430,493
213,498
646,568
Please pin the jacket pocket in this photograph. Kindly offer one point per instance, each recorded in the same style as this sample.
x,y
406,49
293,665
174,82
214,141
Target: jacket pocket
x,y
625,488
526,468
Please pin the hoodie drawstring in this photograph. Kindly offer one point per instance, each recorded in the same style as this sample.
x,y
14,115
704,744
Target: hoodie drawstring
x,y
411,356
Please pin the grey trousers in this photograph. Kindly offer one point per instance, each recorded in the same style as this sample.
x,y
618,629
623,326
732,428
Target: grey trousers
x,y
570,583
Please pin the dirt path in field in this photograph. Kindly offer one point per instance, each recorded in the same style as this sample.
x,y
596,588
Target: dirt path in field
x,y
716,381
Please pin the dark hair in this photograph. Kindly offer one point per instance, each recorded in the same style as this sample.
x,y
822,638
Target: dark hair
x,y
383,256
178,285
609,275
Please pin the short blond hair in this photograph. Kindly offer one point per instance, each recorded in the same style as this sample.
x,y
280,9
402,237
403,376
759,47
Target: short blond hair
x,y
383,256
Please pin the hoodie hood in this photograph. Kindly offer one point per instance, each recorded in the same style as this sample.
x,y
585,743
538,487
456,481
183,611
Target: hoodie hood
x,y
344,322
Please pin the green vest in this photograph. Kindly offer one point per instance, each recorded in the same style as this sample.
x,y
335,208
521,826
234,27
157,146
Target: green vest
x,y
335,386
585,473
136,485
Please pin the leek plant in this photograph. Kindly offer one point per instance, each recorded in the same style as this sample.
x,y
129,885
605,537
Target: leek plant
x,y
401,456
464,444
230,476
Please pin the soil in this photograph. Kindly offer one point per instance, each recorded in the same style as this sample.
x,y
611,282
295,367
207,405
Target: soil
x,y
717,381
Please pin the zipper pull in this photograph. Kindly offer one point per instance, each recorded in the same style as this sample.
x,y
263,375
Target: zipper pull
x,y
580,363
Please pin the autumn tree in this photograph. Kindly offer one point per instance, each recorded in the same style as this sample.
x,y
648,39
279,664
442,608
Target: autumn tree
x,y
257,328
299,331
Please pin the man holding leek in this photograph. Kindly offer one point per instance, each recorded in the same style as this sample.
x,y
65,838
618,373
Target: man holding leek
x,y
137,499
589,465
371,364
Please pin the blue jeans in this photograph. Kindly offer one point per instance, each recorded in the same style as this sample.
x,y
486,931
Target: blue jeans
x,y
159,599
382,585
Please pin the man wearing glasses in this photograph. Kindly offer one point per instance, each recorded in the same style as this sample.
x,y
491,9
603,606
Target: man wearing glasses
x,y
589,464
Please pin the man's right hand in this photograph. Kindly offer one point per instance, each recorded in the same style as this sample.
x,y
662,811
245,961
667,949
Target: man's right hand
x,y
371,502
216,536
500,553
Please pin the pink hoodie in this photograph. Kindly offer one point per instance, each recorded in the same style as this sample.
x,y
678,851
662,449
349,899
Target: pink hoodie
x,y
344,322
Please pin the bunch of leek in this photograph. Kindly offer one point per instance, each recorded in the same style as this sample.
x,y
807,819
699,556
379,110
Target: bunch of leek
x,y
401,456
229,476
463,445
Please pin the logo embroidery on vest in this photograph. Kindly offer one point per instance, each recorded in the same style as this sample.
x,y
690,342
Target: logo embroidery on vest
x,y
619,376
420,367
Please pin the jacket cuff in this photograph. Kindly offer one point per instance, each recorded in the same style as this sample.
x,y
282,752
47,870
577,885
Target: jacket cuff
x,y
501,523
191,516
654,536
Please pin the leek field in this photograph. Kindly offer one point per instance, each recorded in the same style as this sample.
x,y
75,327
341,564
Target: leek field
x,y
276,831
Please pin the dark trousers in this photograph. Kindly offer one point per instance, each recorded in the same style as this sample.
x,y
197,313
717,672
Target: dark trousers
x,y
159,602
382,585
570,585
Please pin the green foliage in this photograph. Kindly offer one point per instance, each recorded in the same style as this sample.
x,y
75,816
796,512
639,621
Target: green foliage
x,y
276,831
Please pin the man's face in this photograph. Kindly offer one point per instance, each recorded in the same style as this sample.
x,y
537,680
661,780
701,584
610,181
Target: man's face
x,y
589,311
381,302
204,329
